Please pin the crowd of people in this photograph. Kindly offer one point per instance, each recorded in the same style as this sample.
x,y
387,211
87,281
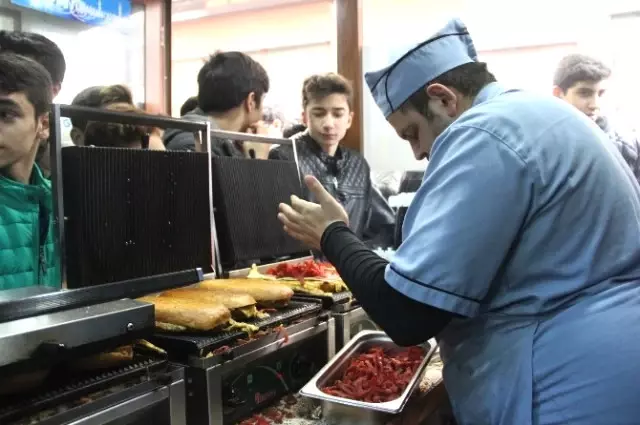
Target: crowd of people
x,y
231,91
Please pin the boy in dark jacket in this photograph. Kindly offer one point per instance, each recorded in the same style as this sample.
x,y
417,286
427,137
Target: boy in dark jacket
x,y
28,252
326,102
231,88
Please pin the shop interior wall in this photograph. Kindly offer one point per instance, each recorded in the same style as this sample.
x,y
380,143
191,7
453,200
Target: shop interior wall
x,y
294,41
291,42
111,54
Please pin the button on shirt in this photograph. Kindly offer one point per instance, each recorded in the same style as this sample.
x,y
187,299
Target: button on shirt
x,y
526,225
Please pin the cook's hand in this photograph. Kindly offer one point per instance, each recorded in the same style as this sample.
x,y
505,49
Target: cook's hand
x,y
261,150
306,221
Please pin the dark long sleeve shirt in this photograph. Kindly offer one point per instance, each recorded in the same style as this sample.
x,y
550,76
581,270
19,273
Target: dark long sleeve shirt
x,y
406,321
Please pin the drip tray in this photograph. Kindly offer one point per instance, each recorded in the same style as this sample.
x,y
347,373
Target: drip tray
x,y
58,390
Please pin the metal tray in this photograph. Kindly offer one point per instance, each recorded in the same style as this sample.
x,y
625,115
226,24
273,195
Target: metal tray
x,y
360,343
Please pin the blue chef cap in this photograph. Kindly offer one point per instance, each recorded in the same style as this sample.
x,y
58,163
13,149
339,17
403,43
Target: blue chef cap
x,y
449,48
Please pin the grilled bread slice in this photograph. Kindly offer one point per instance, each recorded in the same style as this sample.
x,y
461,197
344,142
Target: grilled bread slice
x,y
192,314
119,356
267,294
242,306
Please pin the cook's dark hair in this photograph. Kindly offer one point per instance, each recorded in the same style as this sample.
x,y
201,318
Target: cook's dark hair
x,y
575,68
99,97
468,79
319,86
36,47
189,105
227,78
20,74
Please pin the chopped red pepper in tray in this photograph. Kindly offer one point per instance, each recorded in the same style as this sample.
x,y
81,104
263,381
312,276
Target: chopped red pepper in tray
x,y
308,268
376,376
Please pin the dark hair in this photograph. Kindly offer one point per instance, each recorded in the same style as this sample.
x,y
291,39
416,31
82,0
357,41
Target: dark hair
x,y
468,79
293,130
19,74
189,105
575,68
227,78
319,86
99,97
115,135
36,47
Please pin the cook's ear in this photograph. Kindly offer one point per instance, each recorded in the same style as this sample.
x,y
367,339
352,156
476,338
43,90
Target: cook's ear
x,y
442,97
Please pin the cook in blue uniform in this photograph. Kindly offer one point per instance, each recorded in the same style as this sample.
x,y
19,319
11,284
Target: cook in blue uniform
x,y
521,249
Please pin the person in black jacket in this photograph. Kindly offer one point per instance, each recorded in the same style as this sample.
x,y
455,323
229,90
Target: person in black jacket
x,y
327,101
189,105
231,88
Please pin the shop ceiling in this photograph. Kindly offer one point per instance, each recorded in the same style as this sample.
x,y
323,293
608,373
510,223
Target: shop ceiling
x,y
185,10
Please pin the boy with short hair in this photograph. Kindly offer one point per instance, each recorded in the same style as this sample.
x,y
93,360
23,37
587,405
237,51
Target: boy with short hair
x,y
231,89
327,112
46,53
28,251
582,81
97,97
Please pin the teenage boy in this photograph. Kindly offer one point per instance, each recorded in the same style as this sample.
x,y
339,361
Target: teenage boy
x,y
582,81
231,88
97,97
327,112
46,53
28,253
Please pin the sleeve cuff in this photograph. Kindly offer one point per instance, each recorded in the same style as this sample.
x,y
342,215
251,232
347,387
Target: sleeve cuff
x,y
432,296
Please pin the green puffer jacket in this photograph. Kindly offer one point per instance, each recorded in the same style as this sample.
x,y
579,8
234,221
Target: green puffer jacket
x,y
26,217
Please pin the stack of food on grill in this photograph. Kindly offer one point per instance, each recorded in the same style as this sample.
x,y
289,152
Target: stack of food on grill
x,y
305,277
218,305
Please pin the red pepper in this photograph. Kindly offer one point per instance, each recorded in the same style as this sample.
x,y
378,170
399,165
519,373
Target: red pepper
x,y
376,376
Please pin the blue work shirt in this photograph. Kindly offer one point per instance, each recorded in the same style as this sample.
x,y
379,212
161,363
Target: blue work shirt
x,y
527,227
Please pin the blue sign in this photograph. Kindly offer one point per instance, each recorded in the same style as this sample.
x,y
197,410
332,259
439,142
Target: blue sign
x,y
91,12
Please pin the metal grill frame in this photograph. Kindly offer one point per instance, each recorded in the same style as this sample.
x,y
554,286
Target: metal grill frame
x,y
202,128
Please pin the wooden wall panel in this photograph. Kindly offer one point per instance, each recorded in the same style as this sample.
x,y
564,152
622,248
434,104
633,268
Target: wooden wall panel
x,y
158,55
349,46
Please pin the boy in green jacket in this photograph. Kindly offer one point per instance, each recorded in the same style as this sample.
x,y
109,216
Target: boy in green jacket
x,y
28,251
